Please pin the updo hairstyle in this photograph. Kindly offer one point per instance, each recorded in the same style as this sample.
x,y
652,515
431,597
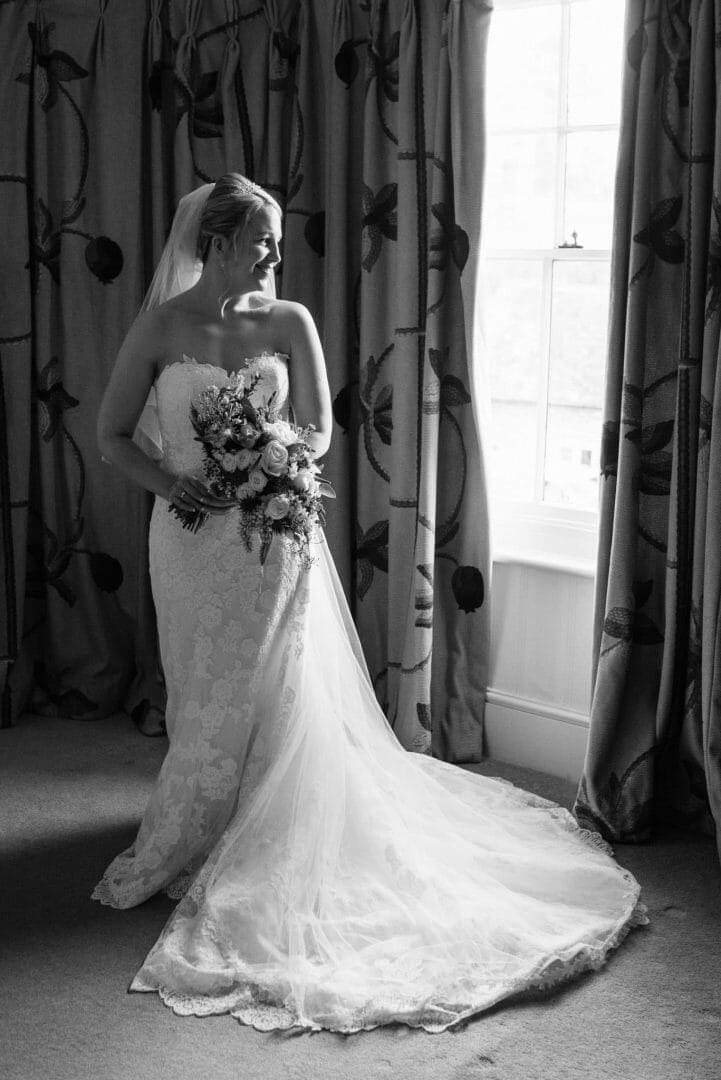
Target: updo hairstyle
x,y
231,205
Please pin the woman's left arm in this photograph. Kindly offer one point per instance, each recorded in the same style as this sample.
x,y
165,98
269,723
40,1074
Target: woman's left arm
x,y
309,390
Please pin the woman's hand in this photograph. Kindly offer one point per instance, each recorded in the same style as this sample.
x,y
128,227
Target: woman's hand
x,y
189,493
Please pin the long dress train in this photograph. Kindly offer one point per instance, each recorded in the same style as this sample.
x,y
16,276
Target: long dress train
x,y
330,879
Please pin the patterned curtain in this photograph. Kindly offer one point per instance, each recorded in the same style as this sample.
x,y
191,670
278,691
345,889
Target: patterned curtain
x,y
365,120
78,622
655,741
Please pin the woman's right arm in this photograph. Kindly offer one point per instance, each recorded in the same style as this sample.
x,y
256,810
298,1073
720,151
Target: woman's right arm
x,y
125,395
123,401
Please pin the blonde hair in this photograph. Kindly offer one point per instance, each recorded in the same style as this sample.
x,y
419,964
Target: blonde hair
x,y
232,203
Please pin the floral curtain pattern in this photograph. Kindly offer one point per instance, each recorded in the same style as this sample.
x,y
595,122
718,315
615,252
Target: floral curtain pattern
x,y
357,116
655,740
78,623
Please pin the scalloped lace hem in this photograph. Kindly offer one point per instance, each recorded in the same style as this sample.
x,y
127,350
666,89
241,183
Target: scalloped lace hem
x,y
253,1006
105,892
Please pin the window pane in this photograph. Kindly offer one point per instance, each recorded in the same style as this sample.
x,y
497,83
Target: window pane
x,y
524,187
590,168
595,55
579,316
523,67
512,305
512,326
513,439
519,191
572,456
578,355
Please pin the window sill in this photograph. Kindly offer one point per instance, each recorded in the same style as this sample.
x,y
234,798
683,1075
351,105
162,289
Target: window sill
x,y
542,561
547,537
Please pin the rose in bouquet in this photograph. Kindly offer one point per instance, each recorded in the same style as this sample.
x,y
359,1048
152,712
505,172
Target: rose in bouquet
x,y
255,456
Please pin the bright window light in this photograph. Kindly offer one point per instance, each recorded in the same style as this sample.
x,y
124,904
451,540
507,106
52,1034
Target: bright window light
x,y
554,84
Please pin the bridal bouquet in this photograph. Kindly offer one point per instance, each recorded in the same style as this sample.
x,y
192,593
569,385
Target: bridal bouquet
x,y
263,461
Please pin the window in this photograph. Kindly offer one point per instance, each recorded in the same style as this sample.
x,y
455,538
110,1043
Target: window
x,y
554,85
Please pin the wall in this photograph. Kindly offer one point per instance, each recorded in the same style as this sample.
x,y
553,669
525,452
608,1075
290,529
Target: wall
x,y
539,688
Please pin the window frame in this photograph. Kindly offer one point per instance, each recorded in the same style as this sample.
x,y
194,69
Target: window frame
x,y
539,532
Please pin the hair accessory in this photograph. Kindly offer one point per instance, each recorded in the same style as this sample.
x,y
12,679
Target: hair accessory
x,y
247,187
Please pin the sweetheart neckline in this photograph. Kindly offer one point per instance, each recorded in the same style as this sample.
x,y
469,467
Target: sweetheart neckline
x,y
191,360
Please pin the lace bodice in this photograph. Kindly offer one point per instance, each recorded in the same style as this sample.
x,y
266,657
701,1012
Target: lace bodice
x,y
180,381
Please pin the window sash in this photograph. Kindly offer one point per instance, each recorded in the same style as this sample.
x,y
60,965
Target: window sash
x,y
570,531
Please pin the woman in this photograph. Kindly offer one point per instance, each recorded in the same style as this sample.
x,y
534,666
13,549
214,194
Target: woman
x,y
329,878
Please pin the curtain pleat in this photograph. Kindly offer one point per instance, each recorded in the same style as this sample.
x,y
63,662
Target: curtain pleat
x,y
655,736
336,233
83,628
16,442
455,372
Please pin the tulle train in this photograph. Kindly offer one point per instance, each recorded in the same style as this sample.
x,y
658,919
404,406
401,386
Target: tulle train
x,y
355,884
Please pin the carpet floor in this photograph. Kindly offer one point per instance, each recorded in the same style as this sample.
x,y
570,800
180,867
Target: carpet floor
x,y
71,795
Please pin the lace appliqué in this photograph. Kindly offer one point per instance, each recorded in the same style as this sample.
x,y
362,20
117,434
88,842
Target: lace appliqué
x,y
218,615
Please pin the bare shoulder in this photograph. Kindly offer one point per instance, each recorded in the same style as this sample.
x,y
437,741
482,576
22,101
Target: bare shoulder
x,y
151,331
290,311
289,306
295,323
143,351
177,306
149,327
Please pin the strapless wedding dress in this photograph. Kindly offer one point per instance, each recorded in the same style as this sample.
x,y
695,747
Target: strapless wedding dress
x,y
329,878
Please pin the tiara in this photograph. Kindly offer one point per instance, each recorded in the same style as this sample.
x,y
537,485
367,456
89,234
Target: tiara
x,y
247,187
250,188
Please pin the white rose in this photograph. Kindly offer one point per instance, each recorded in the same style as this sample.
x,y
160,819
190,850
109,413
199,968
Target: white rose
x,y
228,462
277,507
245,458
282,431
257,480
303,480
274,458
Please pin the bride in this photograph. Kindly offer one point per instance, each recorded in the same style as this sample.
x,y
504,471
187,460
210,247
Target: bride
x,y
327,878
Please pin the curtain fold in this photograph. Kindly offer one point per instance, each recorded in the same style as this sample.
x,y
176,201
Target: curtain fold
x,y
15,381
84,637
460,671
654,750
364,120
